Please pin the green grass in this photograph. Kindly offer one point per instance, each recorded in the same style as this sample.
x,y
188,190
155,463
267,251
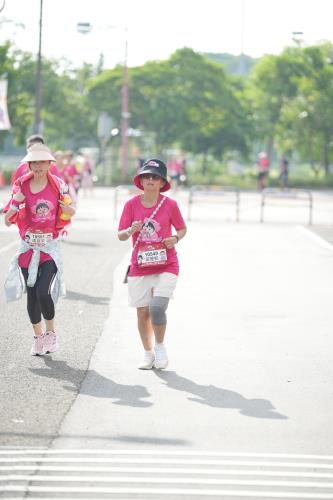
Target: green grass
x,y
301,176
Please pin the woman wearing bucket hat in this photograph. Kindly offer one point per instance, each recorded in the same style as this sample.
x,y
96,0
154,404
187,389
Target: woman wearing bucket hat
x,y
40,207
153,272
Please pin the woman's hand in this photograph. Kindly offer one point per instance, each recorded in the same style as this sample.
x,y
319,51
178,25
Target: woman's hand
x,y
136,226
170,242
19,196
67,209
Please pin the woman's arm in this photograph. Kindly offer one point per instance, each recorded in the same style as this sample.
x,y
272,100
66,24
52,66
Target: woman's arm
x,y
17,199
8,215
124,234
171,241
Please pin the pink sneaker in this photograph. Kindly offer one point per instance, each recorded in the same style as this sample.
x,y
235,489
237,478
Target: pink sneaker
x,y
38,346
50,342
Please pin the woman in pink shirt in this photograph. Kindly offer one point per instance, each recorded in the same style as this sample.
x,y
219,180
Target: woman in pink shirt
x,y
153,273
37,206
23,168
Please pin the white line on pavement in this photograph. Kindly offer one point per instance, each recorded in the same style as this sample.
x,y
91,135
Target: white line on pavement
x,y
168,470
315,237
304,465
165,480
175,453
171,491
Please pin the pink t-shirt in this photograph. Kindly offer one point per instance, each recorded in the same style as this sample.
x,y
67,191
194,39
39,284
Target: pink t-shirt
x,y
159,227
39,224
70,173
23,169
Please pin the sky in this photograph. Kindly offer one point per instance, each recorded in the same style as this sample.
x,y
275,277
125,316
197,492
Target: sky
x,y
154,29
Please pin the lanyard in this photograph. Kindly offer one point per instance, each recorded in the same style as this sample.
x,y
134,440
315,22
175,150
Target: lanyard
x,y
147,222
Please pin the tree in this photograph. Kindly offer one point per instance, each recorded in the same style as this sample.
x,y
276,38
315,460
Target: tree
x,y
272,84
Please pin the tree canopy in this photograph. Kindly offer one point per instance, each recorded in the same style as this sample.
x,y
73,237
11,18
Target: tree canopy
x,y
188,101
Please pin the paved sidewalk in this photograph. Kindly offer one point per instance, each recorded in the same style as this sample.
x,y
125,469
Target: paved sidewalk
x,y
251,348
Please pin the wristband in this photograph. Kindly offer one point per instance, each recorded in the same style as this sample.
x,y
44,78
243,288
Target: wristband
x,y
16,203
176,236
13,207
128,232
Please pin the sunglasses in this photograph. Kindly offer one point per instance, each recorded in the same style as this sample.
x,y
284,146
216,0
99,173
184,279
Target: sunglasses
x,y
150,176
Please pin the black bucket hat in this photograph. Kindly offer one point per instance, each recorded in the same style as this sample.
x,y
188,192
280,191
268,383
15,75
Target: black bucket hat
x,y
155,167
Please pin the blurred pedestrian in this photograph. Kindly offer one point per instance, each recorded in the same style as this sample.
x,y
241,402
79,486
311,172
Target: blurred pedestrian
x,y
39,206
175,169
70,174
2,179
59,158
87,175
284,172
139,163
153,272
263,169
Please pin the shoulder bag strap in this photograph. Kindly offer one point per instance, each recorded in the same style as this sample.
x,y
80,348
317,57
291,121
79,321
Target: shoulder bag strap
x,y
147,221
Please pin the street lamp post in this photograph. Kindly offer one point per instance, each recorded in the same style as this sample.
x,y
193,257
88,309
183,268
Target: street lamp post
x,y
124,121
297,37
37,123
241,57
86,28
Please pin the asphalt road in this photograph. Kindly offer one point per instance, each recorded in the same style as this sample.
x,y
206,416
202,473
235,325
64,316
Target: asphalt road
x,y
245,407
36,392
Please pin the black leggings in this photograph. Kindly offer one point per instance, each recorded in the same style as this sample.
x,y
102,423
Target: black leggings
x,y
39,296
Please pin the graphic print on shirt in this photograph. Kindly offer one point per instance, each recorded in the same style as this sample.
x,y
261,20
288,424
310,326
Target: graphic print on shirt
x,y
43,211
151,251
43,214
150,231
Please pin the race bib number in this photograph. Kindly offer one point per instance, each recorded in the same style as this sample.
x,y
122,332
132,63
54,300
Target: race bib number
x,y
37,239
152,254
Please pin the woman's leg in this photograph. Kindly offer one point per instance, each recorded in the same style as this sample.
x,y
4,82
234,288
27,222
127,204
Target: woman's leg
x,y
33,306
46,274
145,328
157,312
157,309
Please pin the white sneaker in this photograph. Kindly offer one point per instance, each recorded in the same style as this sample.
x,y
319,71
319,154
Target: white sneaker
x,y
38,346
148,361
50,342
161,357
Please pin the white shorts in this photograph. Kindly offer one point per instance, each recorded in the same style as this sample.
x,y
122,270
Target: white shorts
x,y
142,288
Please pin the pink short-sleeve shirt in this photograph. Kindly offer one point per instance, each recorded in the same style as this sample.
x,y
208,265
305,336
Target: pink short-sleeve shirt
x,y
158,228
40,220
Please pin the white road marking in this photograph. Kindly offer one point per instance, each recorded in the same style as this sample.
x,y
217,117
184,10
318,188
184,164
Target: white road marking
x,y
170,491
169,470
97,451
166,480
170,461
315,237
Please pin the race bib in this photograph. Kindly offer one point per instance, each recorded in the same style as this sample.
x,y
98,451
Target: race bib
x,y
37,239
152,254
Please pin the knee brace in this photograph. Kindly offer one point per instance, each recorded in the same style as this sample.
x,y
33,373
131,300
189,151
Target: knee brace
x,y
157,308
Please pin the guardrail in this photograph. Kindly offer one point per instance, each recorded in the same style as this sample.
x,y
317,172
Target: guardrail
x,y
214,191
129,189
287,194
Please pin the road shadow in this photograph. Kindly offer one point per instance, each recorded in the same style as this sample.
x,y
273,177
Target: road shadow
x,y
45,439
152,440
90,299
217,397
93,384
80,243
